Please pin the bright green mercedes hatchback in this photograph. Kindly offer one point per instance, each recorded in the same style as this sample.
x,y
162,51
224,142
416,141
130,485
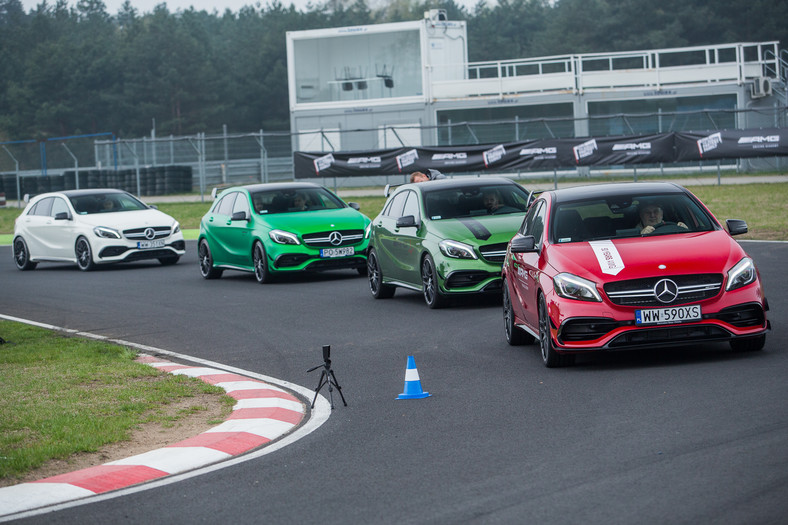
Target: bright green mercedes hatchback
x,y
281,227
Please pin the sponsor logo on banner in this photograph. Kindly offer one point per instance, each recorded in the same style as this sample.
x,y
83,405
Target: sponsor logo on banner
x,y
323,163
407,159
493,155
364,162
451,158
540,153
709,143
607,255
761,142
586,149
633,148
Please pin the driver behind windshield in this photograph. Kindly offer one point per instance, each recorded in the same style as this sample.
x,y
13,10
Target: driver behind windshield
x,y
651,217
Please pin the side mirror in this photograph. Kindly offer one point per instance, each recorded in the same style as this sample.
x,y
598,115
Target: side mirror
x,y
522,244
62,216
408,221
354,205
240,216
736,226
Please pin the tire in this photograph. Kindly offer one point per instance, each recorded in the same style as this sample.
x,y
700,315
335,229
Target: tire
x,y
752,344
375,277
550,357
514,335
84,254
168,261
22,255
429,284
206,262
260,263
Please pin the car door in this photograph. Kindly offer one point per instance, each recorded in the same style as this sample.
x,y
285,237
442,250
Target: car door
x,y
409,240
58,231
525,267
219,232
386,235
34,224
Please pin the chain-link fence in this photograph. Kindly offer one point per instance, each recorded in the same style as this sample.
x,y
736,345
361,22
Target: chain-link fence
x,y
160,165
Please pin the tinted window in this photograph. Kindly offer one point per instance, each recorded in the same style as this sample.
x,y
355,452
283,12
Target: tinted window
x,y
395,207
534,222
612,218
42,207
241,204
412,206
58,206
225,205
471,201
105,203
293,200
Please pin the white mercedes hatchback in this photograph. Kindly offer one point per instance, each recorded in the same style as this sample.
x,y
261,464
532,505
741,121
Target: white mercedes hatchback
x,y
92,227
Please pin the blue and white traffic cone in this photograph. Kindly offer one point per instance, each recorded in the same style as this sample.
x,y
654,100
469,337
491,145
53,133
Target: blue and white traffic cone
x,y
412,383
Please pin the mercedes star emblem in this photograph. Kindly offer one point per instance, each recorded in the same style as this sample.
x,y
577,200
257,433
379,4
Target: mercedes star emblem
x,y
335,238
666,291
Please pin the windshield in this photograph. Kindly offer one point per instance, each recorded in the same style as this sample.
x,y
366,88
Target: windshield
x,y
471,201
292,200
105,203
628,216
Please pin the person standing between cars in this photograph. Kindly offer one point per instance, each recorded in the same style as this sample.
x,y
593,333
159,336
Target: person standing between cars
x,y
418,176
651,217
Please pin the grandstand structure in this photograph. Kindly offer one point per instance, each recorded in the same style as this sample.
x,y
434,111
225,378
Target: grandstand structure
x,y
367,88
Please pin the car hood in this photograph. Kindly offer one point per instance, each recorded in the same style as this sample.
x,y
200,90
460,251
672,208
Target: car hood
x,y
128,219
633,258
317,221
485,229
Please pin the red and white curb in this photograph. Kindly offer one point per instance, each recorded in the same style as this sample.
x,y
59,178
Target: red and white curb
x,y
263,413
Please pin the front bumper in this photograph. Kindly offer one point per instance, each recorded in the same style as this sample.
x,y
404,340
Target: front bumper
x,y
579,326
127,251
299,258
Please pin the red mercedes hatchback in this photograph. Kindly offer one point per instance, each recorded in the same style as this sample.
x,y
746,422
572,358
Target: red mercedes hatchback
x,y
627,266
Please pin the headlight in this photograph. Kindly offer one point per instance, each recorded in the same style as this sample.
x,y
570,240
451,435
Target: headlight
x,y
176,228
107,233
741,275
574,287
457,250
368,231
283,237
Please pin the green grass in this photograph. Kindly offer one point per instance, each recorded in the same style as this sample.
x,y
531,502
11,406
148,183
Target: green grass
x,y
763,206
62,395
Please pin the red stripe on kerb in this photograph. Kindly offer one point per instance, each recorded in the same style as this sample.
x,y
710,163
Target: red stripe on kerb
x,y
104,478
260,393
278,413
222,378
228,442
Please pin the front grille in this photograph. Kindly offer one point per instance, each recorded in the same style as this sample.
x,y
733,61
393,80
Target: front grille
x,y
322,239
641,293
494,253
138,234
336,264
674,335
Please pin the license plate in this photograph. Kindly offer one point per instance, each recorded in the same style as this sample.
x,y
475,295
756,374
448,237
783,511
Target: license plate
x,y
337,252
676,314
150,244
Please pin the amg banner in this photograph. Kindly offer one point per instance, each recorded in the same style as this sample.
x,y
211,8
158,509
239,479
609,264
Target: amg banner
x,y
732,144
545,154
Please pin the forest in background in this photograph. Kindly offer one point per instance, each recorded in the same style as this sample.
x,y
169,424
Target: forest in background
x,y
81,70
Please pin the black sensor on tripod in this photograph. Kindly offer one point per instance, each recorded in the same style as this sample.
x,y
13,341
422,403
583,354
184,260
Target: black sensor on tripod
x,y
327,353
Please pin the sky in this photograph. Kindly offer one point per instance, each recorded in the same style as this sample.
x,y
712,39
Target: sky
x,y
146,6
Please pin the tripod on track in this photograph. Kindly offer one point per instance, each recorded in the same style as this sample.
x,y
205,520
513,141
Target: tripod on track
x,y
327,377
